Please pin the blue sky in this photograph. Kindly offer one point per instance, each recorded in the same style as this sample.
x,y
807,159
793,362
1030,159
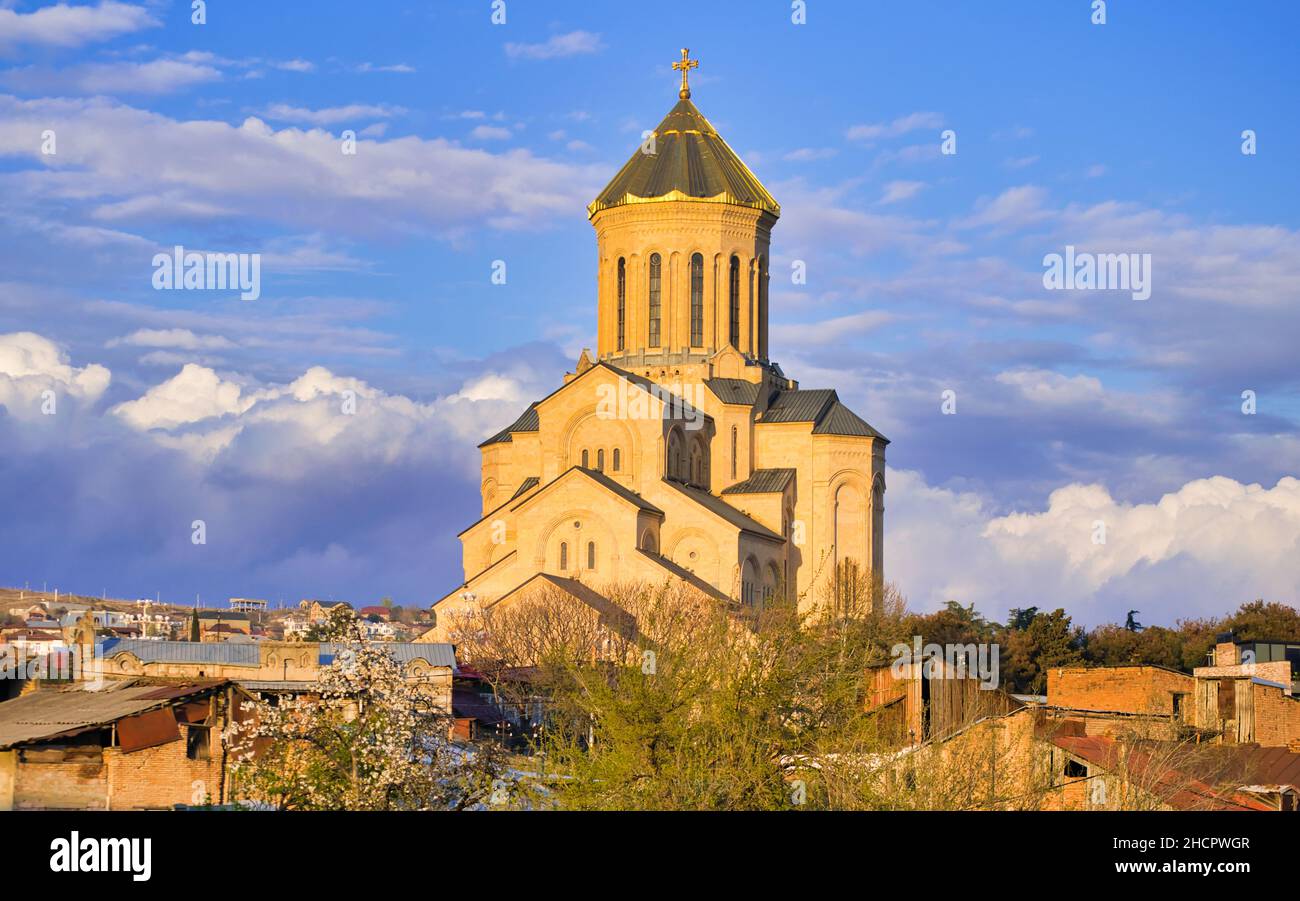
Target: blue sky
x,y
482,142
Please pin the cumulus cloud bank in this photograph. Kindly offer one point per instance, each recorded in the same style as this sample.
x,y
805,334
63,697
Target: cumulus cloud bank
x,y
1200,550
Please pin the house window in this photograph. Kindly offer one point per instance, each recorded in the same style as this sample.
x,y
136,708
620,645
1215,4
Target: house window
x,y
654,299
622,300
733,298
197,742
600,460
1075,770
591,555
1179,699
617,462
586,462
564,556
697,300
734,435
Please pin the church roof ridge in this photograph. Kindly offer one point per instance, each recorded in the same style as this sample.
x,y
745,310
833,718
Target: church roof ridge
x,y
718,507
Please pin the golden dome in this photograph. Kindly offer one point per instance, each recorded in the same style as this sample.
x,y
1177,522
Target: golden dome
x,y
690,161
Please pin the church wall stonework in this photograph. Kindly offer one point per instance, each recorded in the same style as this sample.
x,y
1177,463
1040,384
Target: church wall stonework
x,y
628,463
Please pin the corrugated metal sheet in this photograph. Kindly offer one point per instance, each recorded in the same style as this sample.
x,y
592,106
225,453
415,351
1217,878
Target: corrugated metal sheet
x,y
49,714
691,162
763,481
401,651
146,730
229,653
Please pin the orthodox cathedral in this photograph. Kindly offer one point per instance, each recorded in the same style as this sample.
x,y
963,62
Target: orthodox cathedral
x,y
680,450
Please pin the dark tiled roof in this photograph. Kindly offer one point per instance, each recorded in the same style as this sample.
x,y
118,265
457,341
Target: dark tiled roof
x,y
734,391
840,420
762,481
799,405
719,507
527,422
525,486
690,162
823,408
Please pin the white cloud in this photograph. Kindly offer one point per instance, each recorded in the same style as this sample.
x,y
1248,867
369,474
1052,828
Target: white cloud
x,y
352,112
181,338
810,154
397,68
192,395
573,43
30,365
1013,208
831,330
900,126
897,191
1202,549
62,25
276,429
159,76
128,164
490,133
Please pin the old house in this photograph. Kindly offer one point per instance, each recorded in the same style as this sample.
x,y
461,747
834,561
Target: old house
x,y
128,744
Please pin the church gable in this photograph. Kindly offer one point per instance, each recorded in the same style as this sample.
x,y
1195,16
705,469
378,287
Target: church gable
x,y
679,449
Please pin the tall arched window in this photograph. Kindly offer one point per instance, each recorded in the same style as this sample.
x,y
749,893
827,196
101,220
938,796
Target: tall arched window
x,y
734,451
697,300
733,299
655,263
674,456
586,462
564,556
600,460
622,301
617,462
591,555
755,334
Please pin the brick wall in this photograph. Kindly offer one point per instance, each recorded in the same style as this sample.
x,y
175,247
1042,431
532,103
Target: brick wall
x,y
1277,716
1123,689
162,776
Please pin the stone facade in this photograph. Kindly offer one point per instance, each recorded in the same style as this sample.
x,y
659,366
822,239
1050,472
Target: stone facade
x,y
680,447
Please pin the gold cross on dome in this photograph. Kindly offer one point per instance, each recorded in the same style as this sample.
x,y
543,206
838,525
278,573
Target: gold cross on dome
x,y
686,65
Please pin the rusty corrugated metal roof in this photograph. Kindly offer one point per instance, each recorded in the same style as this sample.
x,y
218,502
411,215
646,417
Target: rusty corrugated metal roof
x,y
47,714
1166,770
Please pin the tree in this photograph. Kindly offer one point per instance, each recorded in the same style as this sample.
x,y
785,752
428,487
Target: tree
x,y
1050,640
371,736
194,626
1260,620
1019,618
672,699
